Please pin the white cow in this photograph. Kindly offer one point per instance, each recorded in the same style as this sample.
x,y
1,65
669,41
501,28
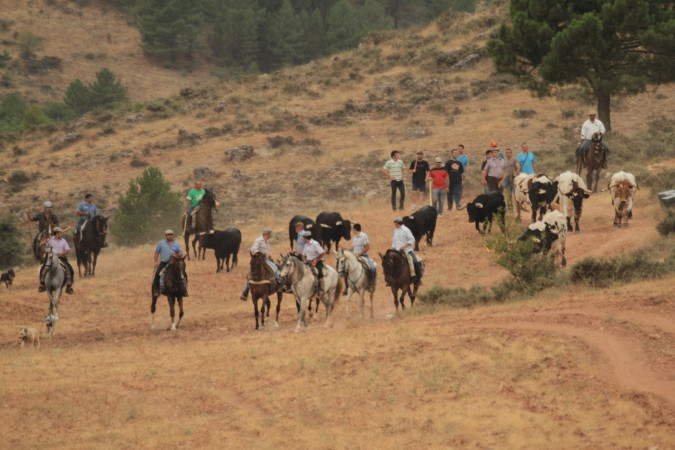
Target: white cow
x,y
521,186
622,187
572,191
549,233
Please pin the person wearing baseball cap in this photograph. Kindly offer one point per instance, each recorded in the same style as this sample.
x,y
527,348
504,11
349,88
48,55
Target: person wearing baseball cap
x,y
591,127
439,185
404,241
313,254
46,221
260,245
60,245
164,250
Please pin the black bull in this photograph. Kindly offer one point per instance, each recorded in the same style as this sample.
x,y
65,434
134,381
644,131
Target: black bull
x,y
422,223
333,228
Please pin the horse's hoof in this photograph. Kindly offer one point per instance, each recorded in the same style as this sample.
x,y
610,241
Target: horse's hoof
x,y
276,324
625,224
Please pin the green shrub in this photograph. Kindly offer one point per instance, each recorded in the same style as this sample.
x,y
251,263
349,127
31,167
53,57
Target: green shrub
x,y
34,116
457,297
624,268
58,112
146,210
10,244
667,224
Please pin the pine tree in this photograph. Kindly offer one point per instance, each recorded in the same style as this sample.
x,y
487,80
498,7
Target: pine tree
x,y
343,29
170,27
609,47
78,97
105,91
10,244
286,32
234,39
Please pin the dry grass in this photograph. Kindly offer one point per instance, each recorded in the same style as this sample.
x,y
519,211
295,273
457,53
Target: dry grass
x,y
578,368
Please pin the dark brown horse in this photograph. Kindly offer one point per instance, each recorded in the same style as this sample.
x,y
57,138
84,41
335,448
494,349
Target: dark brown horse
x,y
174,286
202,223
397,275
595,155
262,284
93,232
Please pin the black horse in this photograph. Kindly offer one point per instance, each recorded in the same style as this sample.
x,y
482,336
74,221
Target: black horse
x,y
202,223
397,275
173,285
91,242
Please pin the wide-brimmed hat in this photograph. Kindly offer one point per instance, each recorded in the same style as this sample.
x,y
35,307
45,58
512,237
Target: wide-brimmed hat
x,y
168,232
438,159
592,112
48,204
57,230
398,220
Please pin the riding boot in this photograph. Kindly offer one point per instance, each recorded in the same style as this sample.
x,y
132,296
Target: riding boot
x,y
42,286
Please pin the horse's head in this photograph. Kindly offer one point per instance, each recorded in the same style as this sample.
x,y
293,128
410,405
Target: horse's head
x,y
391,263
597,137
340,261
50,257
209,199
100,224
258,262
286,266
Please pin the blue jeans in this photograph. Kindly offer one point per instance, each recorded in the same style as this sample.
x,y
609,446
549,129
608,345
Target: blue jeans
x,y
455,193
437,198
401,188
509,189
587,143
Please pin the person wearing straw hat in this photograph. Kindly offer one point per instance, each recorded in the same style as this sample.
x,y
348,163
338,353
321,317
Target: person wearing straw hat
x,y
591,127
164,250
260,245
46,220
58,243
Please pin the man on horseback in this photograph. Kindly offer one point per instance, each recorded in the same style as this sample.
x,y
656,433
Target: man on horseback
x,y
361,247
86,210
45,219
192,202
591,127
313,254
260,245
165,249
300,243
403,241
58,243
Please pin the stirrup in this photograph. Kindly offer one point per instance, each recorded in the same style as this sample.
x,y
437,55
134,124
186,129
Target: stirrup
x,y
69,290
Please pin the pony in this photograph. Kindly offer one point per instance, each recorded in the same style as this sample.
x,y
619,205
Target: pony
x,y
55,280
174,287
357,276
397,275
262,283
203,222
594,159
305,287
90,242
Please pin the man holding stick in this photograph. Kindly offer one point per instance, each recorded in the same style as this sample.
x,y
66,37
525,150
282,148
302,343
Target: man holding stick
x,y
419,169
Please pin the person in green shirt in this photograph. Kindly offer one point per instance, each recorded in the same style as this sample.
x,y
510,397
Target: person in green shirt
x,y
192,200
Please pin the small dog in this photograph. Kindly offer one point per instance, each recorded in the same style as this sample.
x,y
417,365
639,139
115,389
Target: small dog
x,y
7,278
30,335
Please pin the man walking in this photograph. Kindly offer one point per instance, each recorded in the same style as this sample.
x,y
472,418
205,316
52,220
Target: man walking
x,y
493,173
455,171
419,169
527,160
394,170
511,169
439,185
464,159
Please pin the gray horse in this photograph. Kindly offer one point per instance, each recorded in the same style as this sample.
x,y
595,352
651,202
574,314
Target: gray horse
x,y
305,287
55,280
358,279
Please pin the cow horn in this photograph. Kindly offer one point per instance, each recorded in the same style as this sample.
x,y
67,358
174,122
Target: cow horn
x,y
478,205
339,222
212,231
411,217
202,233
323,225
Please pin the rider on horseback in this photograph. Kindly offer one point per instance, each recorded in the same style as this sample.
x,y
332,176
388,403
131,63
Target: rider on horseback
x,y
260,245
591,127
62,248
86,210
313,254
45,220
361,246
165,249
192,200
403,241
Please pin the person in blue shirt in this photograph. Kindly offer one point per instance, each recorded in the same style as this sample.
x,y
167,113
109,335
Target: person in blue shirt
x,y
527,160
165,249
85,210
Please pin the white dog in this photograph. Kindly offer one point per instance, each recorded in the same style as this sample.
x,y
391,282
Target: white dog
x,y
30,335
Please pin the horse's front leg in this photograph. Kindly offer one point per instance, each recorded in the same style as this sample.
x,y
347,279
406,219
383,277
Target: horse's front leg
x,y
279,296
350,292
394,291
413,294
372,312
301,316
172,310
180,308
255,309
153,307
93,264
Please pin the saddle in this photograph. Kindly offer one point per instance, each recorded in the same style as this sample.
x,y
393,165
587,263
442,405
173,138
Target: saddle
x,y
371,274
160,289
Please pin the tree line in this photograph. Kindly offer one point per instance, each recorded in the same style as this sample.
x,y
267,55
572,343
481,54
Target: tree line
x,y
265,35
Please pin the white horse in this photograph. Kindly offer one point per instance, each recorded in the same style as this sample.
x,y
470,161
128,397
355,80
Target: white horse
x,y
357,278
305,287
54,280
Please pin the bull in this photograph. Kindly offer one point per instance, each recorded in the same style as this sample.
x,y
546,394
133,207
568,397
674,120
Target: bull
x,y
484,208
572,191
224,243
310,225
333,228
549,233
622,187
542,192
422,223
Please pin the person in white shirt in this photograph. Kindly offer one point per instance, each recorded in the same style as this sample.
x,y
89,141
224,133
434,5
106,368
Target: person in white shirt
x,y
394,169
404,241
590,128
313,254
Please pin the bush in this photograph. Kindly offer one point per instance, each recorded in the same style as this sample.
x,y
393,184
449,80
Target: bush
x,y
147,209
10,244
625,268
667,225
58,112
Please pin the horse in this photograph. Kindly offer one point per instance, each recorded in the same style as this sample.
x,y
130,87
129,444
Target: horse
x,y
38,245
173,287
262,283
203,222
397,274
55,280
594,159
305,287
357,276
92,239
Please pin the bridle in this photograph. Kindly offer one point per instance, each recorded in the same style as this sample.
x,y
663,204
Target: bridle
x,y
342,265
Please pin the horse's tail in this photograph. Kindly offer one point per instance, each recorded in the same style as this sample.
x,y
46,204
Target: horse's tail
x,y
338,290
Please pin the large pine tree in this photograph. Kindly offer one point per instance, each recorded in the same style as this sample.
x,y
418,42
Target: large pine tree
x,y
609,46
